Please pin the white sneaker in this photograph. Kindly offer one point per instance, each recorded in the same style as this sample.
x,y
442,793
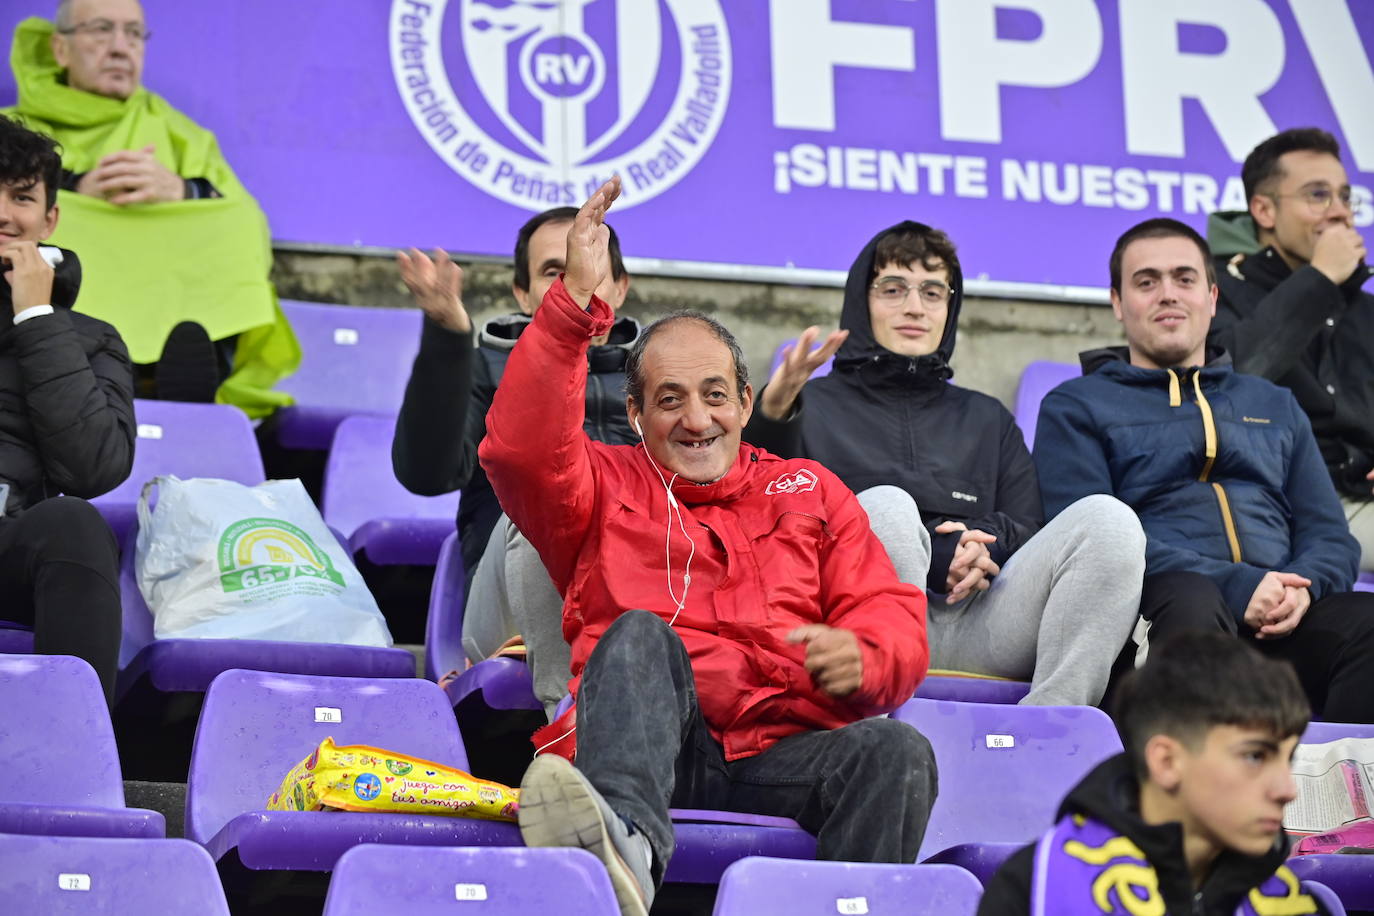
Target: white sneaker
x,y
559,807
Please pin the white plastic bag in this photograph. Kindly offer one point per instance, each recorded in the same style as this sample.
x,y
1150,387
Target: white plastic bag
x,y
219,559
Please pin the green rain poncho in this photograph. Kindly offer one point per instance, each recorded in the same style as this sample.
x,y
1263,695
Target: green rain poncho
x,y
148,267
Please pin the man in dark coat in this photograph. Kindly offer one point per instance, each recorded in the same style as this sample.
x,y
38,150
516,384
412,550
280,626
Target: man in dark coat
x,y
1293,309
66,425
444,418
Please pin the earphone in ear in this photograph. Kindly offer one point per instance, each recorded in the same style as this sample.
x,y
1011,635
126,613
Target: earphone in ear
x,y
639,429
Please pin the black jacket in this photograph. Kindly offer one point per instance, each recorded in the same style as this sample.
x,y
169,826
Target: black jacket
x,y
66,401
1110,795
444,415
882,418
1300,330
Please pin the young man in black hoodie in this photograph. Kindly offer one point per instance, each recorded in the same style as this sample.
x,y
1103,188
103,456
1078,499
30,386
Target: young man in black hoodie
x,y
444,418
66,425
1293,309
1189,820
1007,602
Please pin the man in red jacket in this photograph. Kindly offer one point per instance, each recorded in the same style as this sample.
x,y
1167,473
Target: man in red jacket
x,y
734,622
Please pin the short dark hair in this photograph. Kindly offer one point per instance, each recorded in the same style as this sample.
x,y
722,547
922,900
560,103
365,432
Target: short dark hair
x,y
1194,682
1262,165
27,157
1159,228
556,215
931,249
634,365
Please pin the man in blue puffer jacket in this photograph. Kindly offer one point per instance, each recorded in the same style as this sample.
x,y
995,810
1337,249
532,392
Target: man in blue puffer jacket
x,y
1244,531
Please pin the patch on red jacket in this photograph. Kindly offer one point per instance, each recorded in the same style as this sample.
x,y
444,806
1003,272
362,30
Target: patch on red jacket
x,y
801,482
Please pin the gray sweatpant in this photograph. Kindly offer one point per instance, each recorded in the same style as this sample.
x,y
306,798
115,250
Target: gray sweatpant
x,y
511,595
1360,514
1058,613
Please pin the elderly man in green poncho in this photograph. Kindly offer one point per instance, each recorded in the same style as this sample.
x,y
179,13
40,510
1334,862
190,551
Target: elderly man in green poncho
x,y
176,252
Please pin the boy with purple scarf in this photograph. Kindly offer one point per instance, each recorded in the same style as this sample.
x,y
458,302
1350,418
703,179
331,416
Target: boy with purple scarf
x,y
1190,818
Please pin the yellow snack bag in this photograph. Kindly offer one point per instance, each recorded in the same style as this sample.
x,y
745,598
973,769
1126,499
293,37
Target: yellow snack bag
x,y
356,777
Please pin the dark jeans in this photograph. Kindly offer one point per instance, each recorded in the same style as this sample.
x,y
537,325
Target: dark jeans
x,y
59,573
1332,648
865,790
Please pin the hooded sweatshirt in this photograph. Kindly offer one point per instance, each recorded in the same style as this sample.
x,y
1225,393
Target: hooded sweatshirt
x,y
883,418
1300,330
1109,797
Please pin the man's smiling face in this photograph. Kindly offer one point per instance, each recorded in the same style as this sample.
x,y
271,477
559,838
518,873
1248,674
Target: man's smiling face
x,y
693,411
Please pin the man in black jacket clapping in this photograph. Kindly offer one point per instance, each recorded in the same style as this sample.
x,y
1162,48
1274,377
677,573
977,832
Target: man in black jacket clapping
x,y
444,418
66,425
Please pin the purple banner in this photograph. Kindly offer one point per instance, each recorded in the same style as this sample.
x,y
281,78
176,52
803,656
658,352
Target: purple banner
x,y
761,132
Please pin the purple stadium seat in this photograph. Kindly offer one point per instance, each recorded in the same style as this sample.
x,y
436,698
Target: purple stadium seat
x,y
1038,379
1326,897
503,682
59,751
255,726
188,440
364,500
191,664
1003,772
372,878
1350,878
971,688
1365,583
354,360
15,638
758,885
708,842
80,875
822,369
1322,732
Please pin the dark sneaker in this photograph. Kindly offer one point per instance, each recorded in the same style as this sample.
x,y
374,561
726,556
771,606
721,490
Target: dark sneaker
x,y
559,807
189,367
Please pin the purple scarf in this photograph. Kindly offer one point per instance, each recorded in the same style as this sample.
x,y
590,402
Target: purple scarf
x,y
1083,868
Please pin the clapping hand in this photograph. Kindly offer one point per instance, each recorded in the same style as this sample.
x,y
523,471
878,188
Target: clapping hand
x,y
589,258
796,367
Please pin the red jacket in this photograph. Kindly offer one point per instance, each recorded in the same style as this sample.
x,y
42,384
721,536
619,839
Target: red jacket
x,y
779,543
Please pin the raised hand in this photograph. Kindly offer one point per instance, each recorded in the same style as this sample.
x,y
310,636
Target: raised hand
x,y
798,362
29,276
132,177
436,284
1338,251
589,258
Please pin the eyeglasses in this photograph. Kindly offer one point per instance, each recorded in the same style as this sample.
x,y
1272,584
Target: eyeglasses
x,y
893,291
1320,198
101,31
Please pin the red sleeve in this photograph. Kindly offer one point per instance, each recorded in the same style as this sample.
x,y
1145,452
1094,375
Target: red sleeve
x,y
861,593
535,453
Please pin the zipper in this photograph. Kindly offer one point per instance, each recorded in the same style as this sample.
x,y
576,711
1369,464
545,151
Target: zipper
x,y
1209,433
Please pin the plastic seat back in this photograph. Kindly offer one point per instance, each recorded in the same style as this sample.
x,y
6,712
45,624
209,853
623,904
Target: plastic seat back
x,y
80,875
256,725
354,360
759,885
430,881
1037,380
1005,769
188,440
55,732
363,499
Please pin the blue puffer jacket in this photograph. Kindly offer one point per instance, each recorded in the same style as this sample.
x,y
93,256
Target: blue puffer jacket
x,y
1221,468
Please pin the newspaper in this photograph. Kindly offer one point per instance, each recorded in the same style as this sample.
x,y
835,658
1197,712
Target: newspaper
x,y
1335,784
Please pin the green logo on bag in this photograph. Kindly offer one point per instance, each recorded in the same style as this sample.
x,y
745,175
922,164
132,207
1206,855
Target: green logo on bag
x,y
260,551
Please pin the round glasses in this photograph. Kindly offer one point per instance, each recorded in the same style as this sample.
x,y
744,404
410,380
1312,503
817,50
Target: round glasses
x,y
1321,198
893,292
